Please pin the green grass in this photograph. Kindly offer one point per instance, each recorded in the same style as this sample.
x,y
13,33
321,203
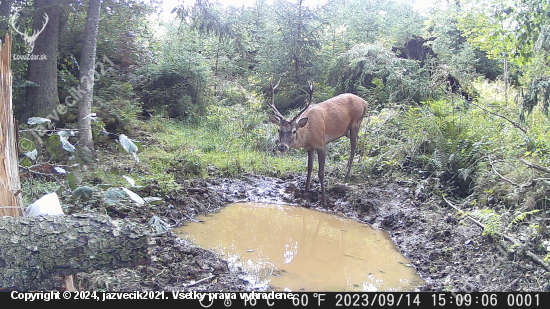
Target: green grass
x,y
218,147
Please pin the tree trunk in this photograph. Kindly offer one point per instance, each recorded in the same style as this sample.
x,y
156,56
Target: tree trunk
x,y
87,66
35,250
10,197
5,13
43,100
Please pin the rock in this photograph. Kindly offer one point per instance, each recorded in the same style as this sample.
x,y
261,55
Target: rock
x,y
84,193
419,192
84,155
113,196
152,200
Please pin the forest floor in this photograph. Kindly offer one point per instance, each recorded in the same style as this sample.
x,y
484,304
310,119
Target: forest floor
x,y
448,250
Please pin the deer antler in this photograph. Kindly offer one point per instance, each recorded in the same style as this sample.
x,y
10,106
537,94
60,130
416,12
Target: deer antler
x,y
275,110
308,103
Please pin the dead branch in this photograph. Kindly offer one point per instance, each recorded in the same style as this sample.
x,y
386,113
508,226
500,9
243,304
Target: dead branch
x,y
199,282
536,166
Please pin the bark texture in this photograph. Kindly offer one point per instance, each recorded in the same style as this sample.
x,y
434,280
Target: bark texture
x,y
43,100
87,66
10,197
35,250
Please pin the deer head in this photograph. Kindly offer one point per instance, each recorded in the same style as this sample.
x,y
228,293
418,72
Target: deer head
x,y
287,129
30,39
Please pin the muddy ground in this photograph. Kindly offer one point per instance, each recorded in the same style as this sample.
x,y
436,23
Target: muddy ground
x,y
448,251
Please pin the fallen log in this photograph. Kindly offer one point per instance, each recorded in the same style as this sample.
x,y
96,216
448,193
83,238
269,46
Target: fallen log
x,y
36,250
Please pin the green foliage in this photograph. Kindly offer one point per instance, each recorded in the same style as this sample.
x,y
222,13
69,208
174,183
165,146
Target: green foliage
x,y
491,220
356,21
521,217
289,47
228,141
438,142
232,95
125,34
451,47
54,149
117,106
176,86
505,28
34,189
378,74
538,91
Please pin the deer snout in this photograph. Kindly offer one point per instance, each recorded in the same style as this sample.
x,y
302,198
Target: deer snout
x,y
282,148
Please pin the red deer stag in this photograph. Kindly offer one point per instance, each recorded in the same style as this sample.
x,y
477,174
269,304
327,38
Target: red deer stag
x,y
313,127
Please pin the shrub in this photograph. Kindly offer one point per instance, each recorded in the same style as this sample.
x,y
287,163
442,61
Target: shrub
x,y
117,106
175,89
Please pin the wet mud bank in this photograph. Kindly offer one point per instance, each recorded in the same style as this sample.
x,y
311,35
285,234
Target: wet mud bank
x,y
448,251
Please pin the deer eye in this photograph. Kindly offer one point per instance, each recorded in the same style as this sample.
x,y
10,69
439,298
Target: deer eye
x,y
294,131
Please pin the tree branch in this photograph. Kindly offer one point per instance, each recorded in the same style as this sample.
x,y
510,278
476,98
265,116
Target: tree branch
x,y
536,166
515,124
525,185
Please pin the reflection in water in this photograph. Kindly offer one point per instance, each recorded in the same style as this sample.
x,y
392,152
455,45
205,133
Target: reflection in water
x,y
298,249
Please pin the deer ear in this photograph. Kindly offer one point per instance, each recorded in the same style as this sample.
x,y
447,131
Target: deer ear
x,y
302,122
273,119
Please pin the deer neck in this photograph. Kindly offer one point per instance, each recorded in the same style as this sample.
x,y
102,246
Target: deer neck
x,y
301,139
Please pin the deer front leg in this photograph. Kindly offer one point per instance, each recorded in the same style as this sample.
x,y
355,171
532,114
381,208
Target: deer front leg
x,y
321,156
310,155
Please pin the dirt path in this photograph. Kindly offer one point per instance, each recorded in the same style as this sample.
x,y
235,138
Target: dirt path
x,y
449,252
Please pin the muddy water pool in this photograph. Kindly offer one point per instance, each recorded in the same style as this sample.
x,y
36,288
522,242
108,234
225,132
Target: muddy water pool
x,y
298,249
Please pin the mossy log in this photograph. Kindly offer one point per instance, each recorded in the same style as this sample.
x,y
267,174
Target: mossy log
x,y
36,250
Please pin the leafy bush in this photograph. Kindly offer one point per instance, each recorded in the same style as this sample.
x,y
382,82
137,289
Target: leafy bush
x,y
117,106
177,84
175,89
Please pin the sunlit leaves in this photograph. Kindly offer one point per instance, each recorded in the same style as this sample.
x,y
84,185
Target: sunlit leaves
x,y
504,28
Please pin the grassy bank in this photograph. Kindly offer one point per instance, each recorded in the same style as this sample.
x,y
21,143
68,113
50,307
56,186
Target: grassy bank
x,y
230,141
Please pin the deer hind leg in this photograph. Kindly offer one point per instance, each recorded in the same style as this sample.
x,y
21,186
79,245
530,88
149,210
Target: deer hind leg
x,y
321,156
353,134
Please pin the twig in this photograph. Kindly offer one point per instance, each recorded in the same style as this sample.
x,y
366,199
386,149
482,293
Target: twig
x,y
526,185
530,254
42,174
469,217
515,124
198,282
46,130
